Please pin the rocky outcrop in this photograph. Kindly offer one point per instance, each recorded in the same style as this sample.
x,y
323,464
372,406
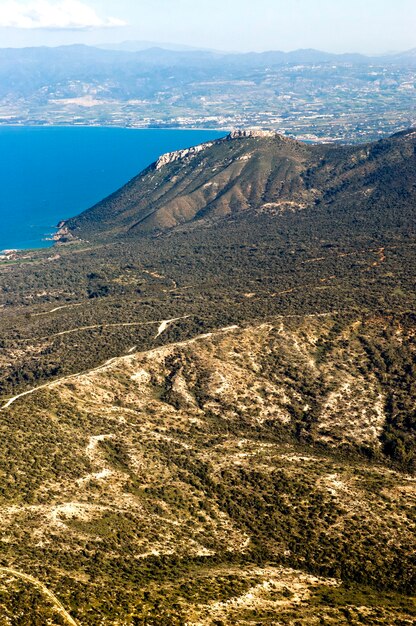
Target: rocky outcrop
x,y
180,155
238,133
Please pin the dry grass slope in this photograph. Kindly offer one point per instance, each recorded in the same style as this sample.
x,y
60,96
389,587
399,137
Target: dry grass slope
x,y
208,482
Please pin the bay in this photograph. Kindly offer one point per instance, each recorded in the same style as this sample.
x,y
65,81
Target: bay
x,y
48,174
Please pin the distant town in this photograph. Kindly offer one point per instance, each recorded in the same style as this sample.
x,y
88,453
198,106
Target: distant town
x,y
314,101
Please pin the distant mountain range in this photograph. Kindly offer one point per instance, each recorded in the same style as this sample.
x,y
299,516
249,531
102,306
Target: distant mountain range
x,y
137,46
305,93
301,55
146,50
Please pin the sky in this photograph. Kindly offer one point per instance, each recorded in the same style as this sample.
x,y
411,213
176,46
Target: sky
x,y
366,26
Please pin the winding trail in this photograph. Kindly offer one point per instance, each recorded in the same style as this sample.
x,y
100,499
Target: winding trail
x,y
166,323
111,325
25,393
163,324
41,587
82,328
52,384
58,308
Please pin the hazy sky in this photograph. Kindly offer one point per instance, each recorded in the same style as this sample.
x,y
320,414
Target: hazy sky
x,y
372,26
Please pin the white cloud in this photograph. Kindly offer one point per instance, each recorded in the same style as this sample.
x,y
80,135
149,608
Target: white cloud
x,y
53,15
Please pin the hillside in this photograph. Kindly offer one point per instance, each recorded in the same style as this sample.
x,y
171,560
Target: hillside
x,y
261,172
207,395
209,481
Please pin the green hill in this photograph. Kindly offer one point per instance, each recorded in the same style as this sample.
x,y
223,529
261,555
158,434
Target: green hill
x,y
259,172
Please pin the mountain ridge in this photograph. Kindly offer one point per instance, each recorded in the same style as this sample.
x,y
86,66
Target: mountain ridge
x,y
176,51
250,170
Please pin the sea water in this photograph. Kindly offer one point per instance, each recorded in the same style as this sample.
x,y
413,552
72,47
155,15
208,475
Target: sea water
x,y
48,174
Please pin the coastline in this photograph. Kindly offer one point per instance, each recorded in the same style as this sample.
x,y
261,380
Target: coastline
x,y
62,235
217,129
36,205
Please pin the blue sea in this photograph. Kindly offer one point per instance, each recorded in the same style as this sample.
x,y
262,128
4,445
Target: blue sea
x,y
52,173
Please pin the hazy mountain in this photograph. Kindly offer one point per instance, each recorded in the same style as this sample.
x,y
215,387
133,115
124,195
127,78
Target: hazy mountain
x,y
409,56
306,93
152,52
136,46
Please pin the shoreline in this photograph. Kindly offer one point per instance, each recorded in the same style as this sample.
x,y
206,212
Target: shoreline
x,y
52,234
7,254
120,127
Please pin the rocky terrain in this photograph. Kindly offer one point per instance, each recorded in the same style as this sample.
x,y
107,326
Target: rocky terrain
x,y
233,461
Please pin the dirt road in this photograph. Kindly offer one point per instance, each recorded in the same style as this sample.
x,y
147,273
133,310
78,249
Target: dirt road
x,y
41,587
